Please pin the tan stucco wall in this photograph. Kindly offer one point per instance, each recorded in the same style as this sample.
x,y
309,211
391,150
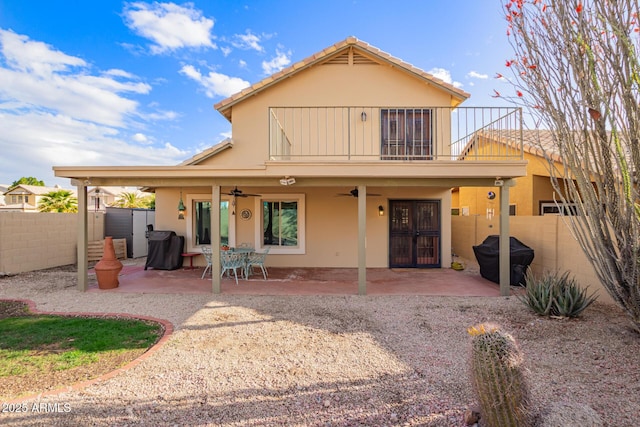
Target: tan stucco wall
x,y
526,194
331,223
554,247
34,241
326,86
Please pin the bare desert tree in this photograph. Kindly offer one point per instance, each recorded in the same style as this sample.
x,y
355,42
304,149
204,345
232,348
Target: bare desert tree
x,y
575,69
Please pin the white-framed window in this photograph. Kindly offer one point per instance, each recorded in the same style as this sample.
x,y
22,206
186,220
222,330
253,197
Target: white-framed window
x,y
553,208
280,223
199,227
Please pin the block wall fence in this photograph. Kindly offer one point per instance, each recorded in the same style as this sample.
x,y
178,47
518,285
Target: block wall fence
x,y
549,236
35,241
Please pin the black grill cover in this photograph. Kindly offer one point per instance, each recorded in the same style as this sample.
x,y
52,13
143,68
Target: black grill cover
x,y
165,250
488,256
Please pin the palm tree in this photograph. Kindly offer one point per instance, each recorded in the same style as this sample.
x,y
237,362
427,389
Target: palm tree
x,y
134,200
59,201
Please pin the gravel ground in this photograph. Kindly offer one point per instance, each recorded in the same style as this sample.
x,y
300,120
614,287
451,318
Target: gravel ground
x,y
332,360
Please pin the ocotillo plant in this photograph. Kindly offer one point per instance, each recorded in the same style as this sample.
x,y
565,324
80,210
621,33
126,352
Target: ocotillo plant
x,y
499,377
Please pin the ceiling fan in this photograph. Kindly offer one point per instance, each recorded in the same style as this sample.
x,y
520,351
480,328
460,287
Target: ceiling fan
x,y
239,193
354,193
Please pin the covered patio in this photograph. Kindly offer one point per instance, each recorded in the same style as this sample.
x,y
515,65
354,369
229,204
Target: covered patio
x,y
306,281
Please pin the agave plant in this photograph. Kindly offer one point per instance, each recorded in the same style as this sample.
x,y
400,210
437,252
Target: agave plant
x,y
555,295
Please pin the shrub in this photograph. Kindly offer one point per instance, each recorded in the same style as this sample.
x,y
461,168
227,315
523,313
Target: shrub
x,y
555,295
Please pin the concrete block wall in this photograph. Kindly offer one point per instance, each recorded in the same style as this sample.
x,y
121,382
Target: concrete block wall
x,y
34,241
549,236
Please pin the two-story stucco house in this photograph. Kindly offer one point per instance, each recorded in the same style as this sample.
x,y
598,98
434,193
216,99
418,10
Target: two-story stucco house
x,y
344,159
26,198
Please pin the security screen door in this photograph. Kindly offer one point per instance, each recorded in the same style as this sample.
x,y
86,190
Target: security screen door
x,y
414,233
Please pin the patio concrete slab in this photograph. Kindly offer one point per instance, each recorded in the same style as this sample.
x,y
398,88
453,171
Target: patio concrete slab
x,y
307,281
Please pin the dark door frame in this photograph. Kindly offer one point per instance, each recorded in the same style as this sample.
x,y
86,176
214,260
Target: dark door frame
x,y
414,235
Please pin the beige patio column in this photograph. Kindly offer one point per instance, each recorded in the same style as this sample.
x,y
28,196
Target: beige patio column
x,y
83,264
505,251
215,239
362,239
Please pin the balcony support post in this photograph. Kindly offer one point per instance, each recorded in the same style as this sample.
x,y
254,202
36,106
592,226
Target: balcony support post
x,y
362,239
216,287
504,262
82,244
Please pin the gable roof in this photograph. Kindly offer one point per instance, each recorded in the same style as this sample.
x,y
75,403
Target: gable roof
x,y
536,142
209,152
335,53
37,190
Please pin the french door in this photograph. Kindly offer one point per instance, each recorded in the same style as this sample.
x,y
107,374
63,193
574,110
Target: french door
x,y
414,233
406,134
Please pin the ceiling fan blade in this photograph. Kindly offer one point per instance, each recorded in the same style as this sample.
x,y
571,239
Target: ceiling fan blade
x,y
239,193
354,193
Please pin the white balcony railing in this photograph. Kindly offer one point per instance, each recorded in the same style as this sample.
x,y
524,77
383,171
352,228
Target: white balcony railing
x,y
390,133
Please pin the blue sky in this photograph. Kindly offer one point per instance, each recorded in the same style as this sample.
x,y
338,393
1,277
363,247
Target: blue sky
x,y
134,83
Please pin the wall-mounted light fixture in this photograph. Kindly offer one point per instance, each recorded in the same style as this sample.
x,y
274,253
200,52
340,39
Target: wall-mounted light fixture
x,y
287,180
363,116
380,210
97,201
181,208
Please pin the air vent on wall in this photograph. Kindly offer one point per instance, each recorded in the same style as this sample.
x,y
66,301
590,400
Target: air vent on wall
x,y
343,59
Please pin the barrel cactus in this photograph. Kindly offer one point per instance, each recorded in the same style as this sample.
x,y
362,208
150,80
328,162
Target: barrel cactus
x,y
499,377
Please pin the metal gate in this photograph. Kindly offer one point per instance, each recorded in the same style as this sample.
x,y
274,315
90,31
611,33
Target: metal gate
x,y
414,233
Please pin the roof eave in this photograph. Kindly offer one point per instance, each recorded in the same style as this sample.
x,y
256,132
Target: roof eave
x,y
224,107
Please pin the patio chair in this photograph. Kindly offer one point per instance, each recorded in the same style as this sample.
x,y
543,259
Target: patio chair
x,y
256,259
206,251
232,261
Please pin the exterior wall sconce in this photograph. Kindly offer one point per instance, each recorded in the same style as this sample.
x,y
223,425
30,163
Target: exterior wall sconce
x,y
380,210
363,116
97,201
181,208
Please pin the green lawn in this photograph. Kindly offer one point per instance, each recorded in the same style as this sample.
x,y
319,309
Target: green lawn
x,y
34,347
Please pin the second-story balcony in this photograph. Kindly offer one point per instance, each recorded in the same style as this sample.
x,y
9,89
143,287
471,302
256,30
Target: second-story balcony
x,y
395,134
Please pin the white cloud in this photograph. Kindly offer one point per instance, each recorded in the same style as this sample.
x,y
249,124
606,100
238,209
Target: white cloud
x,y
225,50
247,41
445,76
242,64
46,139
34,57
56,110
40,77
215,84
119,73
169,26
140,138
277,63
476,75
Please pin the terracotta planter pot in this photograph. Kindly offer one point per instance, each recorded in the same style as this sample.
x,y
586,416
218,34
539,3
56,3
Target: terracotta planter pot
x,y
108,268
